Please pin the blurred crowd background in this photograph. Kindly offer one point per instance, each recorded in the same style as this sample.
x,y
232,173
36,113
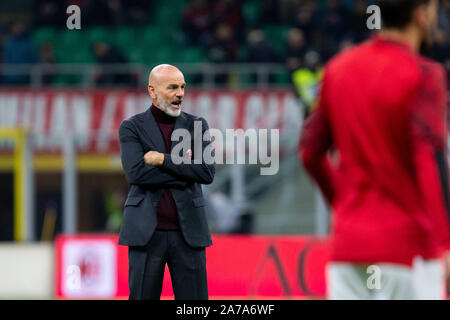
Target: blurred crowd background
x,y
248,44
295,33
247,64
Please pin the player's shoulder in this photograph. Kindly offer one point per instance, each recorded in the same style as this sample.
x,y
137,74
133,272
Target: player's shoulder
x,y
376,50
343,63
379,57
347,56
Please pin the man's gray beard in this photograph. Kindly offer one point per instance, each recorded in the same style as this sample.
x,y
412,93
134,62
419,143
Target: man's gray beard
x,y
166,108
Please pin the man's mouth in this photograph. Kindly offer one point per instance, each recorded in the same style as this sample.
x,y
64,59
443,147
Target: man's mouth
x,y
177,103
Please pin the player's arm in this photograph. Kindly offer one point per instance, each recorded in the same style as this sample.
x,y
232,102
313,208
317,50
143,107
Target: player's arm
x,y
429,129
195,172
315,143
134,166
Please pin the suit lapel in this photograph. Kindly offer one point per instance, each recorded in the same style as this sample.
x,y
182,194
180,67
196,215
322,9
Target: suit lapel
x,y
151,128
181,123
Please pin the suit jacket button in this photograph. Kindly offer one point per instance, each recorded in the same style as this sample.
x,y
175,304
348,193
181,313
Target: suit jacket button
x,y
155,204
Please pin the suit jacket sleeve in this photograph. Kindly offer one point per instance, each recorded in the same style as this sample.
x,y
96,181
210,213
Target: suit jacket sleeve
x,y
136,170
194,172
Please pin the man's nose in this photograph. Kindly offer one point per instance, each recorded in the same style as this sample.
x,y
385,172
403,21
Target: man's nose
x,y
180,93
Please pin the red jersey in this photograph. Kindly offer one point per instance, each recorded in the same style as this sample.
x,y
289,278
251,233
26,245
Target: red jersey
x,y
382,112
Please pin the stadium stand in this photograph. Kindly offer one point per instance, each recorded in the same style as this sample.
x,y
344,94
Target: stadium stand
x,y
189,31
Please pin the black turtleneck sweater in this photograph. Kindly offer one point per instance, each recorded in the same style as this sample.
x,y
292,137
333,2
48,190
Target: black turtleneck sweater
x,y
167,209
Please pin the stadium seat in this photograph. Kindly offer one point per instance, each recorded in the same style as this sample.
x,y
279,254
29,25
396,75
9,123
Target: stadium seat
x,y
242,53
65,80
162,55
83,55
192,55
136,55
42,35
167,14
282,79
277,36
73,53
124,37
70,38
98,34
153,35
246,80
251,12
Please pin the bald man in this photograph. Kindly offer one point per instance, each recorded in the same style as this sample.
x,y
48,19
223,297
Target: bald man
x,y
164,218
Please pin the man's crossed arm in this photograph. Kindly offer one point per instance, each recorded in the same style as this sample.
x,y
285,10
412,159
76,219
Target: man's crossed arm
x,y
188,170
157,169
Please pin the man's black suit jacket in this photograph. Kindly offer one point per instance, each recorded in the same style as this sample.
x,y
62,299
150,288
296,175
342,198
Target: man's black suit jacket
x,y
140,134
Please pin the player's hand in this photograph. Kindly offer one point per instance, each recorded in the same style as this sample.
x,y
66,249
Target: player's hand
x,y
154,158
447,264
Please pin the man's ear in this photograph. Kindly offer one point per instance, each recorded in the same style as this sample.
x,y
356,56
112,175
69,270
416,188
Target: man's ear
x,y
151,91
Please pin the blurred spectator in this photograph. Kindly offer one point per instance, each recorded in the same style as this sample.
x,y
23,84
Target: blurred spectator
x,y
259,50
18,49
196,22
95,12
117,12
334,19
334,24
295,50
222,49
106,54
306,80
357,22
313,61
279,11
304,19
444,15
46,55
138,11
229,12
50,13
270,13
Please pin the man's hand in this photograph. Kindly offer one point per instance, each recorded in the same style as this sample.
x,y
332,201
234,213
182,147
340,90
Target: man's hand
x,y
154,158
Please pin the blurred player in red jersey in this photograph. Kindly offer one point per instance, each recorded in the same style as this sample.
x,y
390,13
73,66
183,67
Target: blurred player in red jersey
x,y
382,115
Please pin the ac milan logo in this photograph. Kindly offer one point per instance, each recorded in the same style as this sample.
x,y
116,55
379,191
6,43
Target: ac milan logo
x,y
89,267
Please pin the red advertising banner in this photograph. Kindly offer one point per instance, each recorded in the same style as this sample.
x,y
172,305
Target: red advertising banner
x,y
238,267
94,116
